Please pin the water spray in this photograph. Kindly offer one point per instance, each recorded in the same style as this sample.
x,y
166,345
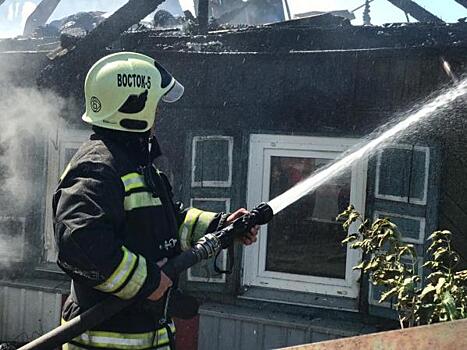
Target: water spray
x,y
448,70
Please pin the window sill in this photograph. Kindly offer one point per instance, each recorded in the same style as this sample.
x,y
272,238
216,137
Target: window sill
x,y
300,299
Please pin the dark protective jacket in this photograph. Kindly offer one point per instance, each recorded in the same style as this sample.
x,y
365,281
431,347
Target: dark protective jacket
x,y
111,229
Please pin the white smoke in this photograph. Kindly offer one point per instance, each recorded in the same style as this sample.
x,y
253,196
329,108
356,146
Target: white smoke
x,y
28,118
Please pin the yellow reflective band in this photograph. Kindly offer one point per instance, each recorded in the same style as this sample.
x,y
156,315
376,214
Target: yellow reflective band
x,y
202,225
140,200
115,340
67,169
69,346
186,229
121,273
136,282
162,337
132,181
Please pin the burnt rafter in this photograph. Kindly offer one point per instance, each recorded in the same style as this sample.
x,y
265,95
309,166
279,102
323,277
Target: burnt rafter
x,y
70,63
203,16
462,2
109,30
40,16
416,11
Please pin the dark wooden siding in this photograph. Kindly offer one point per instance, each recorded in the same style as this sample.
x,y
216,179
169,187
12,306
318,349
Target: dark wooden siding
x,y
453,204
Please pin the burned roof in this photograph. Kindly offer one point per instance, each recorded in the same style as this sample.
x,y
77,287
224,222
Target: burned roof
x,y
323,32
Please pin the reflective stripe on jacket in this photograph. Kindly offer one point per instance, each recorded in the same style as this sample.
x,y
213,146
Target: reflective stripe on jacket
x,y
158,339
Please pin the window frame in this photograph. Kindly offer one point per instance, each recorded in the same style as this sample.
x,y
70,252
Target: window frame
x,y
262,148
410,200
208,183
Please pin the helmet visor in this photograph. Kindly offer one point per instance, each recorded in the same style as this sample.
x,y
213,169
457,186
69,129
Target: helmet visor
x,y
174,94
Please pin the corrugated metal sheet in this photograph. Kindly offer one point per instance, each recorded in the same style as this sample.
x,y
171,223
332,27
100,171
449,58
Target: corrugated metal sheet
x,y
234,328
25,314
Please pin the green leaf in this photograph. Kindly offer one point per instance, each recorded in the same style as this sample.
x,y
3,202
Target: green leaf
x,y
427,290
435,244
440,284
356,245
440,234
350,238
434,276
386,295
439,253
449,305
462,275
360,266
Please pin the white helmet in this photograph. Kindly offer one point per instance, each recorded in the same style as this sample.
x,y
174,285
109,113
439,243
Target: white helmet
x,y
122,91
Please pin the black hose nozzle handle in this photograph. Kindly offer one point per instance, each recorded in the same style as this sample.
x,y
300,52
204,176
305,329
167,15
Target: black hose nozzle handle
x,y
260,215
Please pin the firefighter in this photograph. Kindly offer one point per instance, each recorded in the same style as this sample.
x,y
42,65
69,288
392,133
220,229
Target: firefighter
x,y
114,220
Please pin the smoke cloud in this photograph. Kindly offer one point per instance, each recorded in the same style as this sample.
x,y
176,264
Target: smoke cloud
x,y
29,117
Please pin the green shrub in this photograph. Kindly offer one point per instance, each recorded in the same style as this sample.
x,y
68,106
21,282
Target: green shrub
x,y
390,263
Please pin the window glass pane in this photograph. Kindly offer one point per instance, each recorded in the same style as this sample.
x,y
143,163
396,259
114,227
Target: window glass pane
x,y
212,160
417,180
402,172
409,227
11,239
394,172
305,238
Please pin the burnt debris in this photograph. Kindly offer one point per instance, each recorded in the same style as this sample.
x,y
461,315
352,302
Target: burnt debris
x,y
69,61
416,11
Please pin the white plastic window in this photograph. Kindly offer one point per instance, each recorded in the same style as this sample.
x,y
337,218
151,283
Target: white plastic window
x,y
300,249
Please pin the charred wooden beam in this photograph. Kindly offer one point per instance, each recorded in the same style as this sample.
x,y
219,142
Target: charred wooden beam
x,y
416,11
76,61
203,16
109,30
462,2
40,16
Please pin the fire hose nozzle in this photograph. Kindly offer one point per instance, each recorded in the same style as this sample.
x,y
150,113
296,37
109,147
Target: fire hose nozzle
x,y
262,214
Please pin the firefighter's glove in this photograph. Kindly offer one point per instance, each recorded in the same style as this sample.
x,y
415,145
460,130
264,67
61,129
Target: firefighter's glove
x,y
249,237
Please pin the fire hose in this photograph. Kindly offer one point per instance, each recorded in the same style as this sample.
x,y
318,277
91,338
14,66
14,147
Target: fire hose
x,y
205,248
